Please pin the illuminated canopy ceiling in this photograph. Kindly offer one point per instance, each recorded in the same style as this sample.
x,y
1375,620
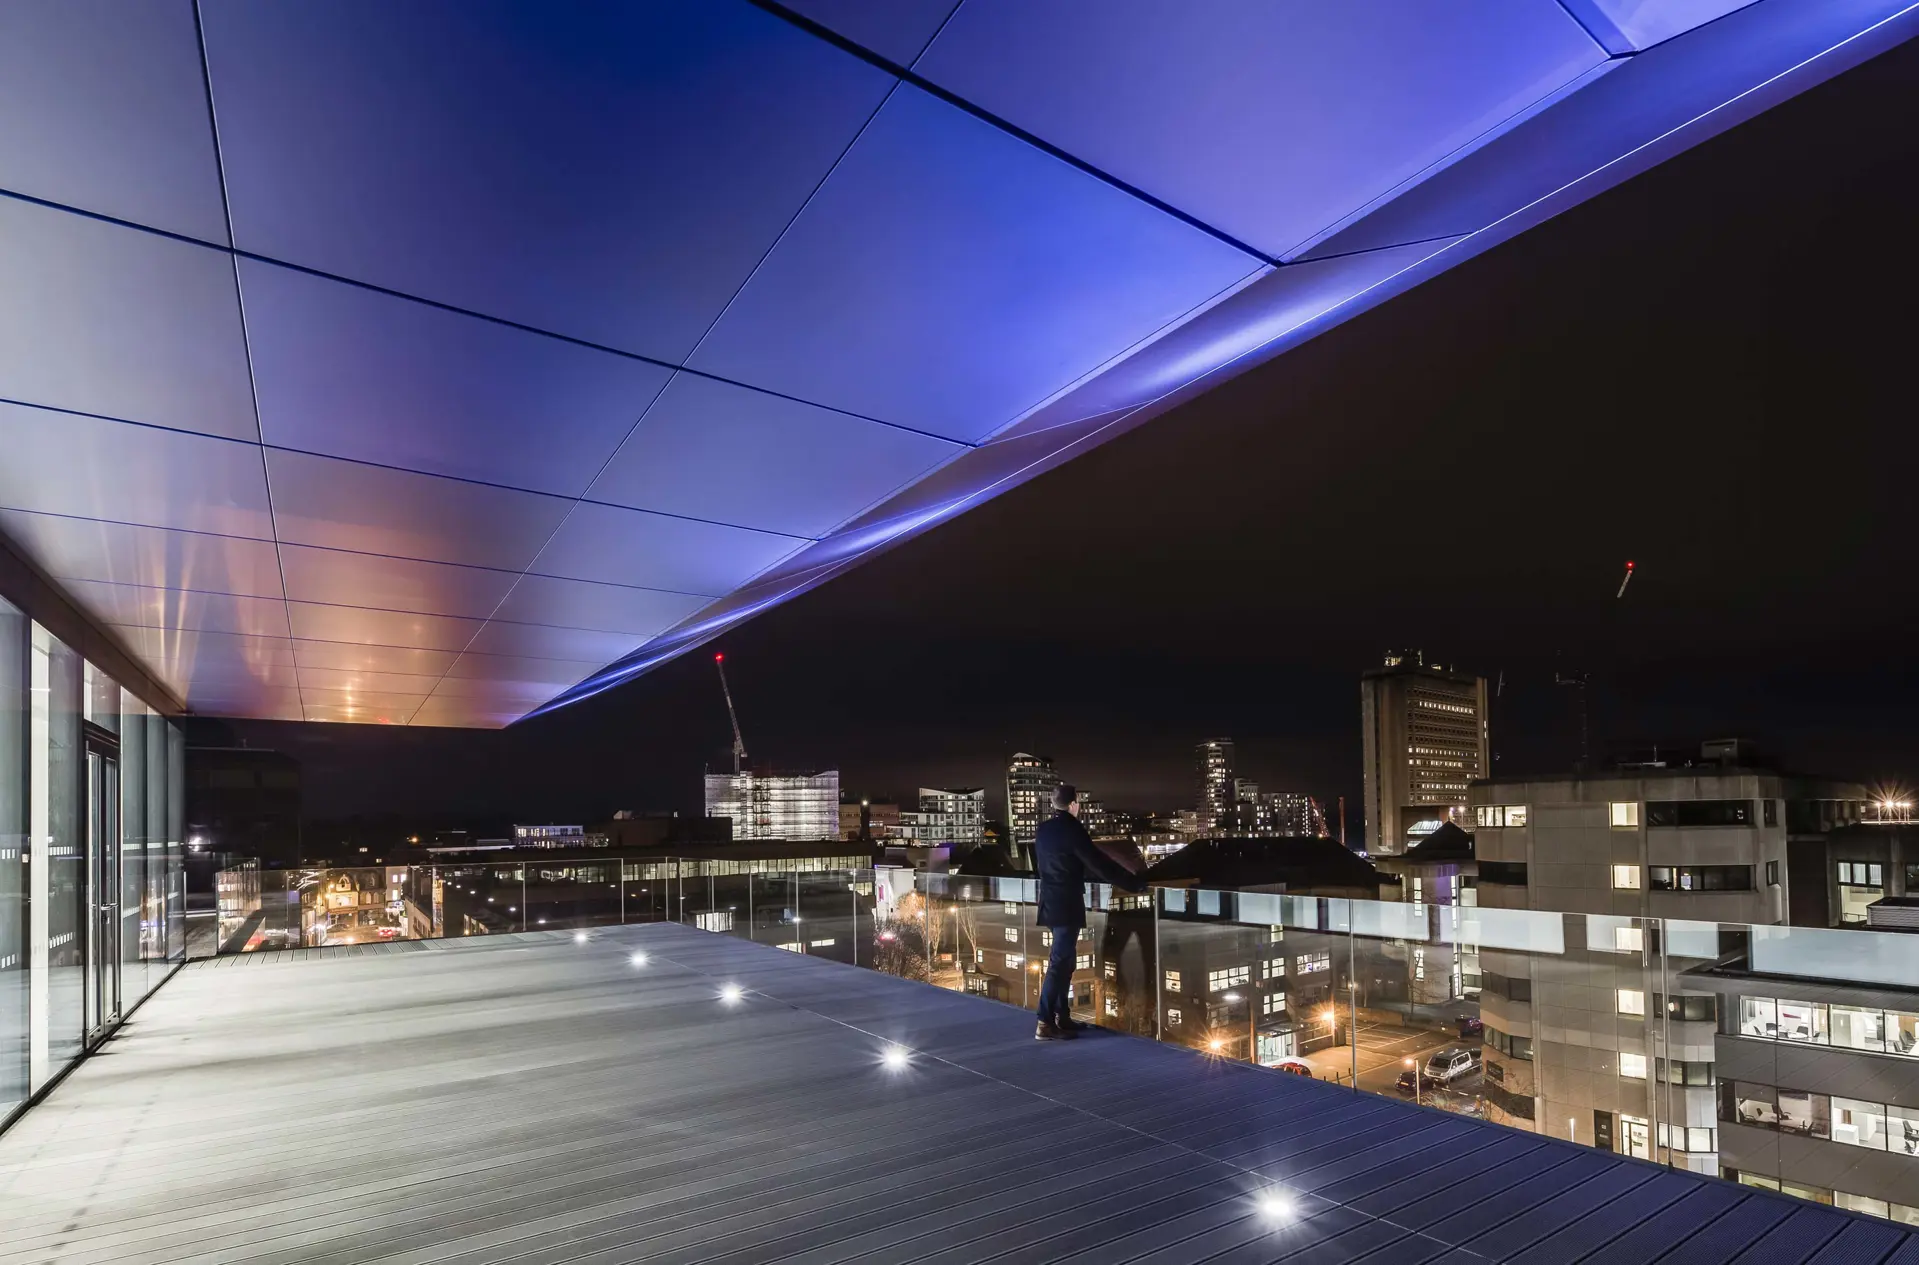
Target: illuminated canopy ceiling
x,y
414,363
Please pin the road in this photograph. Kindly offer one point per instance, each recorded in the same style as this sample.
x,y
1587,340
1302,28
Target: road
x,y
1383,1050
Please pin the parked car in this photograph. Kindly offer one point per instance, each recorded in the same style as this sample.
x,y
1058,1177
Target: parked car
x,y
1448,1065
1297,1067
1470,1026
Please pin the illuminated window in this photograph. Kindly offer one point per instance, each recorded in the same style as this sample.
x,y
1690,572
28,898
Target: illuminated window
x,y
1632,1065
1625,816
1015,961
1172,981
1273,1004
1628,939
1012,935
1172,1019
1084,962
1501,814
1625,877
1630,1001
1231,977
1273,968
1307,963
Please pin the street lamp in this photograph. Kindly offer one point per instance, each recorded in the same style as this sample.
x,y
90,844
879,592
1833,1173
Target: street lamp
x,y
1414,1064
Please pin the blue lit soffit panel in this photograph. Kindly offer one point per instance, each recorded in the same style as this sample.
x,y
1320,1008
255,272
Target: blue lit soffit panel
x,y
451,362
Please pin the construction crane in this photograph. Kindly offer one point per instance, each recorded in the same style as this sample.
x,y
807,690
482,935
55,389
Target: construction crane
x,y
739,743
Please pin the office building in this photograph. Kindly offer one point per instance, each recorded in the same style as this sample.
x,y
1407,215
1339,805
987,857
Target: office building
x,y
1425,739
953,817
1030,780
797,806
1570,1035
1213,783
1816,1070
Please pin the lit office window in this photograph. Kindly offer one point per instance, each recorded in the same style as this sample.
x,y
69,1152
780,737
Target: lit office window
x,y
1172,1019
1231,977
1630,1001
1625,877
1628,939
1632,1066
1624,816
1084,962
1273,1004
1015,961
1012,935
1172,981
1308,963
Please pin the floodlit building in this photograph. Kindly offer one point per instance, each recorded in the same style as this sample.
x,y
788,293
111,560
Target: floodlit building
x,y
798,806
953,817
1030,780
1425,740
1214,784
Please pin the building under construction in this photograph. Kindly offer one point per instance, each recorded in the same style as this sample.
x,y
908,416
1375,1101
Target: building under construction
x,y
795,806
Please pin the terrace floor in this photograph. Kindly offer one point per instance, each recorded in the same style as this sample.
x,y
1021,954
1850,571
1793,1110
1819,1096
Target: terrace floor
x,y
530,1098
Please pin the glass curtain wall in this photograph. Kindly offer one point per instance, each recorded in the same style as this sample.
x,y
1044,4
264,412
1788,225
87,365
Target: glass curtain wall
x,y
14,640
90,868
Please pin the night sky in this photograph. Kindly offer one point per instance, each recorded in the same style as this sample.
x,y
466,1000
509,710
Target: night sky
x,y
1707,370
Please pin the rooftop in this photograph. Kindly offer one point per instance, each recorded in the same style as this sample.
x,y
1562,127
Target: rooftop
x,y
544,1097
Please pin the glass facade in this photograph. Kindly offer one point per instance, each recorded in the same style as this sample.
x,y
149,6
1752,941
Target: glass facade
x,y
91,878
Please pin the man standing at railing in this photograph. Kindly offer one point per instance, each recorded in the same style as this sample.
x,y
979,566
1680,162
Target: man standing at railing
x,y
1065,856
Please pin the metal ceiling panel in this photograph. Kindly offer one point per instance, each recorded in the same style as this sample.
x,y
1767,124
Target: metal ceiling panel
x,y
103,106
379,628
380,703
1629,26
709,449
1645,109
345,657
1274,307
464,713
397,710
181,609
222,663
85,467
1272,122
119,553
613,177
378,682
472,672
897,30
351,372
338,578
542,641
103,319
948,277
657,551
260,704
899,303
541,599
371,509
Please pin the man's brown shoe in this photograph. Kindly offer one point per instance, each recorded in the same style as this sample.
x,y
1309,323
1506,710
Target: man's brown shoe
x,y
1047,1032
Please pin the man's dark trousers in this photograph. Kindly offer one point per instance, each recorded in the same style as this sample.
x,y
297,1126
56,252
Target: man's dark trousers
x,y
1056,991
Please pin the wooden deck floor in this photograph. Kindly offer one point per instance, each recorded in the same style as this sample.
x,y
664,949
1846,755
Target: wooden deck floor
x,y
533,1099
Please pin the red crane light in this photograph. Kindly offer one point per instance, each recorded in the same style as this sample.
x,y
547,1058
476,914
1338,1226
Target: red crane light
x,y
720,658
